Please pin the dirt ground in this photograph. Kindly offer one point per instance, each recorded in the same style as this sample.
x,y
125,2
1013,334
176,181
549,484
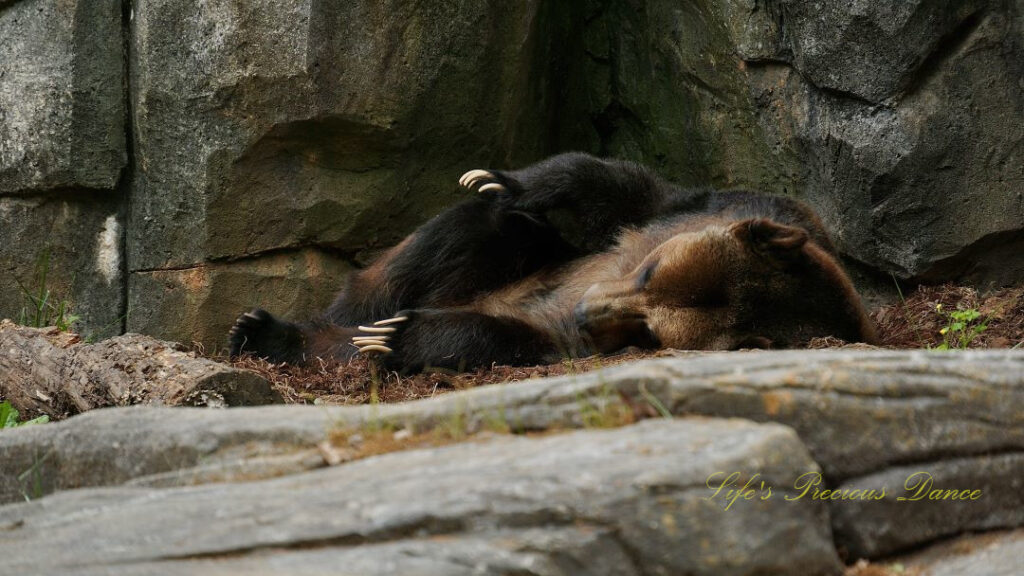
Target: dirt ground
x,y
359,381
917,321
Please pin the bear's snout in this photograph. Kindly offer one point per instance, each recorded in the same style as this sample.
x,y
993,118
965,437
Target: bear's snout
x,y
609,328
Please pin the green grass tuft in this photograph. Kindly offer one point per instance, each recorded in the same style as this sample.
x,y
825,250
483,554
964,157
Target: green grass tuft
x,y
41,309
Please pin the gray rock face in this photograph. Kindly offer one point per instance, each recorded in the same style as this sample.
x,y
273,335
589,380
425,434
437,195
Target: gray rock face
x,y
901,122
939,499
76,242
61,95
907,119
268,128
62,133
991,554
113,446
903,406
858,411
583,552
201,303
862,416
633,499
870,50
277,145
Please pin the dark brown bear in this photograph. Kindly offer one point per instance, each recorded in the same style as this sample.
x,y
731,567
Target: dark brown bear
x,y
576,255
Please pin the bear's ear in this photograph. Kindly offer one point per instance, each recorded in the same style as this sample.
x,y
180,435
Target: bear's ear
x,y
779,243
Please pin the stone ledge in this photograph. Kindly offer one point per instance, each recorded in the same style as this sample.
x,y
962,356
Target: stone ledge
x,y
580,502
905,406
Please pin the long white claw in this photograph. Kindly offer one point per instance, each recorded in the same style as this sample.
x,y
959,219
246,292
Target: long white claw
x,y
394,320
473,175
375,337
493,186
361,343
376,330
375,348
251,315
474,181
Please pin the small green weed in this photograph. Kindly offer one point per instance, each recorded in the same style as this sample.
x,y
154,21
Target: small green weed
x,y
604,409
9,417
962,327
32,479
41,310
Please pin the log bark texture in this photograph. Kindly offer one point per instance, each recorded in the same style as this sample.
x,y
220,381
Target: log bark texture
x,y
45,371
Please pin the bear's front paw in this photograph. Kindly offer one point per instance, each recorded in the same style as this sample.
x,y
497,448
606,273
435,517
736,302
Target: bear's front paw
x,y
482,181
247,331
376,340
257,332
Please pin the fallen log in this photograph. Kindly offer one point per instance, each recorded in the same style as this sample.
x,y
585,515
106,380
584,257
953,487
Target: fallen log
x,y
46,371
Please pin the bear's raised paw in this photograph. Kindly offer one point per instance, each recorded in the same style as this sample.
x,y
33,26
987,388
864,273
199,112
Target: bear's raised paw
x,y
482,181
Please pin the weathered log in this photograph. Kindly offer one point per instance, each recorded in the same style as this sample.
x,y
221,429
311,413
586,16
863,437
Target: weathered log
x,y
45,371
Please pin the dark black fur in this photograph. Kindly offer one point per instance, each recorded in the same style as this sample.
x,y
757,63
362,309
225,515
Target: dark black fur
x,y
473,247
459,340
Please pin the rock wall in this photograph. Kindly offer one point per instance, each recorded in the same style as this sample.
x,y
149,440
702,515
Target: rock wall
x,y
63,154
181,160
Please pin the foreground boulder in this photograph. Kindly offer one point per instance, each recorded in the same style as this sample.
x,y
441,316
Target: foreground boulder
x,y
626,501
862,416
989,554
46,371
929,501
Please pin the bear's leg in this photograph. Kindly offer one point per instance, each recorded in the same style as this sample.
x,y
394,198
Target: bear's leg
x,y
470,249
589,200
453,339
259,333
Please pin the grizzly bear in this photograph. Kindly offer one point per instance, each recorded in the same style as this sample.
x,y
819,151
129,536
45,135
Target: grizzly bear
x,y
577,255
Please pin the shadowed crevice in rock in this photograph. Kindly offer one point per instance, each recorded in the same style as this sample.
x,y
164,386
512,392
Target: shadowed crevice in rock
x,y
992,258
947,46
